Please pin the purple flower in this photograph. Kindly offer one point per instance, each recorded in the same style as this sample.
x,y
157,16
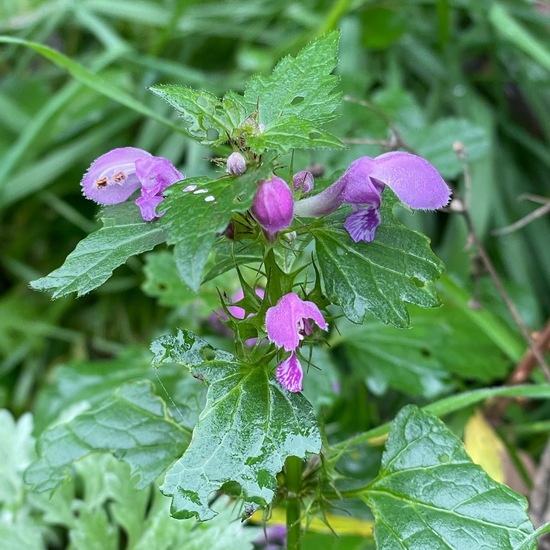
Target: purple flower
x,y
116,175
287,323
112,177
273,204
155,175
303,181
413,179
236,164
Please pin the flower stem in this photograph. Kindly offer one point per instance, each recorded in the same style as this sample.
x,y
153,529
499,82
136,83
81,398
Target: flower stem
x,y
293,471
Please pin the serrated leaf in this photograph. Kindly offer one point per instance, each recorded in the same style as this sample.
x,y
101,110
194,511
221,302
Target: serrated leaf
x,y
301,86
429,494
380,276
94,259
132,424
249,426
290,132
208,119
193,223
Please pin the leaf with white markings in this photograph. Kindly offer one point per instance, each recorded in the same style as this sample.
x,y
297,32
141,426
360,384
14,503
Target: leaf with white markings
x,y
195,218
91,263
429,494
248,428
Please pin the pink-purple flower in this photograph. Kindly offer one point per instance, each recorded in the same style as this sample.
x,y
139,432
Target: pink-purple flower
x,y
273,205
413,179
287,323
115,176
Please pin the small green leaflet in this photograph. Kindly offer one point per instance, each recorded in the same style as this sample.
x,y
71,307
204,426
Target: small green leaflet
x,y
429,494
92,262
248,428
301,86
132,424
194,219
208,119
397,267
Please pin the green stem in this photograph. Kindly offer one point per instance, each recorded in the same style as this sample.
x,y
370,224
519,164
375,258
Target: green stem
x,y
293,472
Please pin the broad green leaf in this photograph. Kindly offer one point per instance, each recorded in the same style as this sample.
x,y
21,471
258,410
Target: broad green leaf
x,y
92,262
420,360
290,132
397,267
301,86
204,114
429,494
436,142
194,219
133,425
249,426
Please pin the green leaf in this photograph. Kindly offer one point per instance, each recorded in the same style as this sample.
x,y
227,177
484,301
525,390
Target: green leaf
x,y
193,223
208,119
397,267
429,494
301,86
290,132
92,262
249,426
132,424
232,253
419,361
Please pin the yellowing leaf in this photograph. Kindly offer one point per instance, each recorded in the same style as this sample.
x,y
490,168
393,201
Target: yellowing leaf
x,y
484,446
341,525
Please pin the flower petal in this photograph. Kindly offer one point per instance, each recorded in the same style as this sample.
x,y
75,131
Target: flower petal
x,y
413,179
111,178
156,174
285,320
273,204
290,374
362,224
148,205
358,186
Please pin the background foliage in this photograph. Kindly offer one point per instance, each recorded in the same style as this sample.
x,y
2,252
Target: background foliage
x,y
428,73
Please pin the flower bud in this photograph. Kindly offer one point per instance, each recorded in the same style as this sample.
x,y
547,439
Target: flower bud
x,y
273,204
236,164
303,181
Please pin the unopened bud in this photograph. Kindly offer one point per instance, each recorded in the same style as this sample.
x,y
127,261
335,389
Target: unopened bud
x,y
236,164
303,181
273,204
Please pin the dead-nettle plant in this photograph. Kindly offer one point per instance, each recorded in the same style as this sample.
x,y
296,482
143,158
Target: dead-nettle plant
x,y
303,257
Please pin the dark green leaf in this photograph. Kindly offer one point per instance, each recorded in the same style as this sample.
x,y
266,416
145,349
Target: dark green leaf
x,y
92,262
397,267
132,424
193,220
288,132
429,494
301,86
249,426
230,253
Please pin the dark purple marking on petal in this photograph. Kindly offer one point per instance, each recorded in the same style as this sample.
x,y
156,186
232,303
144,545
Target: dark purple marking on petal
x,y
362,224
290,374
